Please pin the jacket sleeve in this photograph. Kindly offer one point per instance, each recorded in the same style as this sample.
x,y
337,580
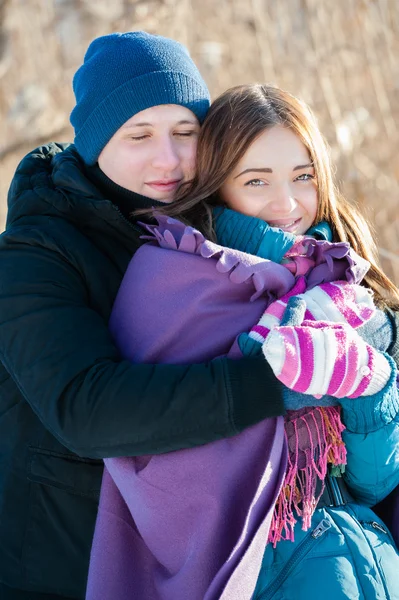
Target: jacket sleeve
x,y
372,437
58,351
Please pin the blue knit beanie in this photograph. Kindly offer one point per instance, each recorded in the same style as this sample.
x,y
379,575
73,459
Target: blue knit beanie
x,y
125,73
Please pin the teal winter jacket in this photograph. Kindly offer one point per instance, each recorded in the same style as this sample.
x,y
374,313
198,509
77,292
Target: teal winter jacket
x,y
348,552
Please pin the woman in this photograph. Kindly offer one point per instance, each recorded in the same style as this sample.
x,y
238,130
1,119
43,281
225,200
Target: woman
x,y
67,397
260,152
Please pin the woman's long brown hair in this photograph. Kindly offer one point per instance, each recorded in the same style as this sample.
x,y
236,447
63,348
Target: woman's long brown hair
x,y
234,121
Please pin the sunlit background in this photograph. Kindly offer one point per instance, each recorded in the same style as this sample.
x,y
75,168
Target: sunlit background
x,y
340,56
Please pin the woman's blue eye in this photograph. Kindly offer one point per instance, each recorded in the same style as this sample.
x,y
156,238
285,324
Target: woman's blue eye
x,y
255,182
305,177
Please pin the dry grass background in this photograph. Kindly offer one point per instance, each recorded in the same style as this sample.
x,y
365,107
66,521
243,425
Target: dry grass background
x,y
340,56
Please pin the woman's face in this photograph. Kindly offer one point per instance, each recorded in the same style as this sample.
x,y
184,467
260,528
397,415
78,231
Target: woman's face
x,y
275,181
153,152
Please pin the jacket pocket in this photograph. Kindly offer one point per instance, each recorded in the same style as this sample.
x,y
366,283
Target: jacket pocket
x,y
69,472
377,526
385,552
64,492
299,554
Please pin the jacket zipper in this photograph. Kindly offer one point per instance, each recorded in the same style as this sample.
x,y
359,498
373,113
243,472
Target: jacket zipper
x,y
129,223
314,537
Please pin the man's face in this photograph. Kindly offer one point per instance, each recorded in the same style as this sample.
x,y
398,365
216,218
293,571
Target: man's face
x,y
153,153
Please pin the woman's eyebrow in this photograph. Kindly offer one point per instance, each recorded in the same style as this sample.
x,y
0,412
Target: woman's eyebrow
x,y
268,170
299,167
264,170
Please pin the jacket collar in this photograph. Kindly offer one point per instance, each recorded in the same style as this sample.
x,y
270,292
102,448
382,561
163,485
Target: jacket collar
x,y
126,200
52,181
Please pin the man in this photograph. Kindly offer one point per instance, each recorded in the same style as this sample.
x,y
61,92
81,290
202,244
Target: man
x,y
67,399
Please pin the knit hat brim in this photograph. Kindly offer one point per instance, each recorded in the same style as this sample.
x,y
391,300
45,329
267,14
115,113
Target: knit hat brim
x,y
135,95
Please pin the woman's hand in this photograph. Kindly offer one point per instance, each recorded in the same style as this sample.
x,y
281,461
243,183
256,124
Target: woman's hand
x,y
338,302
322,357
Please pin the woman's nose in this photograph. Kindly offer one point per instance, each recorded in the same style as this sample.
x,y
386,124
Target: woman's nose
x,y
283,201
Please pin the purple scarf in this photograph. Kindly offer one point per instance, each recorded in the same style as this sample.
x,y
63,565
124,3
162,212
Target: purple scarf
x,y
192,523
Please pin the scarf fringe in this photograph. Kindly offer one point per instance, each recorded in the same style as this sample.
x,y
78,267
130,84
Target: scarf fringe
x,y
314,444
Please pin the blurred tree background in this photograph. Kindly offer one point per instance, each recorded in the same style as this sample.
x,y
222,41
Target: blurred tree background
x,y
340,56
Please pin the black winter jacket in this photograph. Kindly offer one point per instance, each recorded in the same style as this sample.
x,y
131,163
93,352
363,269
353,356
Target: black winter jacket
x,y
67,400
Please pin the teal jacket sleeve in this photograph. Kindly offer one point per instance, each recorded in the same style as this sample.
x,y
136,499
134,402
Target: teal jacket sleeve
x,y
372,470
58,350
372,437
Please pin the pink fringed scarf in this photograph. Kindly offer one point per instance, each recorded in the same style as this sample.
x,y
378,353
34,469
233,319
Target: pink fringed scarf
x,y
314,438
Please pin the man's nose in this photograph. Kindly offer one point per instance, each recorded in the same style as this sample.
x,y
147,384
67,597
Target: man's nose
x,y
166,157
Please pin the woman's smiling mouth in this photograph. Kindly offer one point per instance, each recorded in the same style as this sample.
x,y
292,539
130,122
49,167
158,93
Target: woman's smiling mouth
x,y
285,224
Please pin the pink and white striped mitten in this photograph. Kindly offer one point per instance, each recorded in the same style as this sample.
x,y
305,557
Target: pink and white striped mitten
x,y
321,358
338,302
